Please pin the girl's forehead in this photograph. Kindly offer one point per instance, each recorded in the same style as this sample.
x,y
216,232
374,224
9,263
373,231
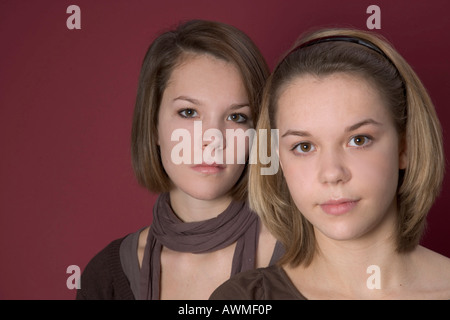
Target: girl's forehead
x,y
339,97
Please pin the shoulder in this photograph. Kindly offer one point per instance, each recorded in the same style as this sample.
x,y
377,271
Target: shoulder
x,y
100,262
103,274
267,283
434,269
247,285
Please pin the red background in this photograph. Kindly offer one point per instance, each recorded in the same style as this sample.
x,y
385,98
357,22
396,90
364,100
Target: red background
x,y
66,102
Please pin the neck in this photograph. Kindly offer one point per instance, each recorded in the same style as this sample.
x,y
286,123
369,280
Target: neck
x,y
366,267
190,209
361,269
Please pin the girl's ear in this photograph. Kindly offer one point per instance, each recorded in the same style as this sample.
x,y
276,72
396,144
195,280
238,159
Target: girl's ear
x,y
403,154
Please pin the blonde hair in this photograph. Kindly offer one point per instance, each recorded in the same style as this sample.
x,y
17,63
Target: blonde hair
x,y
167,51
415,118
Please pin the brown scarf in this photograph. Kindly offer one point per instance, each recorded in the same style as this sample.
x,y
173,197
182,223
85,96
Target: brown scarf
x,y
236,223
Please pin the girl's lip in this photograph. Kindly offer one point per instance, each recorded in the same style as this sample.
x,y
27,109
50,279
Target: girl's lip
x,y
209,168
338,206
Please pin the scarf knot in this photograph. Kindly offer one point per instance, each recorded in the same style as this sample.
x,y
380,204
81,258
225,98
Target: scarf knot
x,y
236,223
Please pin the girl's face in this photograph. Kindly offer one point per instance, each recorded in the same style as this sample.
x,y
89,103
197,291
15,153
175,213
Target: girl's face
x,y
340,155
203,94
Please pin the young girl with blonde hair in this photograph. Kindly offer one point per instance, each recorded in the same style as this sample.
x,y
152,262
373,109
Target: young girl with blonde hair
x,y
362,162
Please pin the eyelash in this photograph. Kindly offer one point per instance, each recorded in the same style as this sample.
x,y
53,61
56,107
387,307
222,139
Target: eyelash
x,y
367,142
182,113
243,117
294,148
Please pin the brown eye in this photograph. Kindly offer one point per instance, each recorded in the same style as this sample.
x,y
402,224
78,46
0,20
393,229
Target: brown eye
x,y
303,147
238,117
187,113
359,141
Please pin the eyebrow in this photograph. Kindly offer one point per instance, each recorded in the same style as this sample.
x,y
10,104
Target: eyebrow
x,y
351,128
233,106
188,99
361,124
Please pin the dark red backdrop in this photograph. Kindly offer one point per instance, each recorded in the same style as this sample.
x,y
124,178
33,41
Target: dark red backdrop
x,y
67,97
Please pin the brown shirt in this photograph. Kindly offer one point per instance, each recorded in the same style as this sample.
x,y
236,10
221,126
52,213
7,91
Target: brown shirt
x,y
271,283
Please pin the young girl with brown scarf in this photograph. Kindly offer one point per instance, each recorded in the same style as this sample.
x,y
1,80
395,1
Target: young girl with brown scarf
x,y
203,231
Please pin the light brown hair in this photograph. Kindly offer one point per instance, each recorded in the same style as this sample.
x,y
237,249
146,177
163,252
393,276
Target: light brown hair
x,y
167,51
416,122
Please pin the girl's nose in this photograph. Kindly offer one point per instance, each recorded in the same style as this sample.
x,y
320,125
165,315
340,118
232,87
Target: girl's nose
x,y
333,168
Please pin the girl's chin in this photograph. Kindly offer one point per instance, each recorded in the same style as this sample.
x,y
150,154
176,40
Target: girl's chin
x,y
204,193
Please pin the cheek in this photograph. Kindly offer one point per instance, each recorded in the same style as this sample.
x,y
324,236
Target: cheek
x,y
299,178
381,169
382,162
165,143
181,133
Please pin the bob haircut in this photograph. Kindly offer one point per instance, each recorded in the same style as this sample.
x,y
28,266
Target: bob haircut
x,y
416,123
167,51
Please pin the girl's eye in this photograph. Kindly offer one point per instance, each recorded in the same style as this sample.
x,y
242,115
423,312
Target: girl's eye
x,y
237,117
303,147
359,141
188,113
